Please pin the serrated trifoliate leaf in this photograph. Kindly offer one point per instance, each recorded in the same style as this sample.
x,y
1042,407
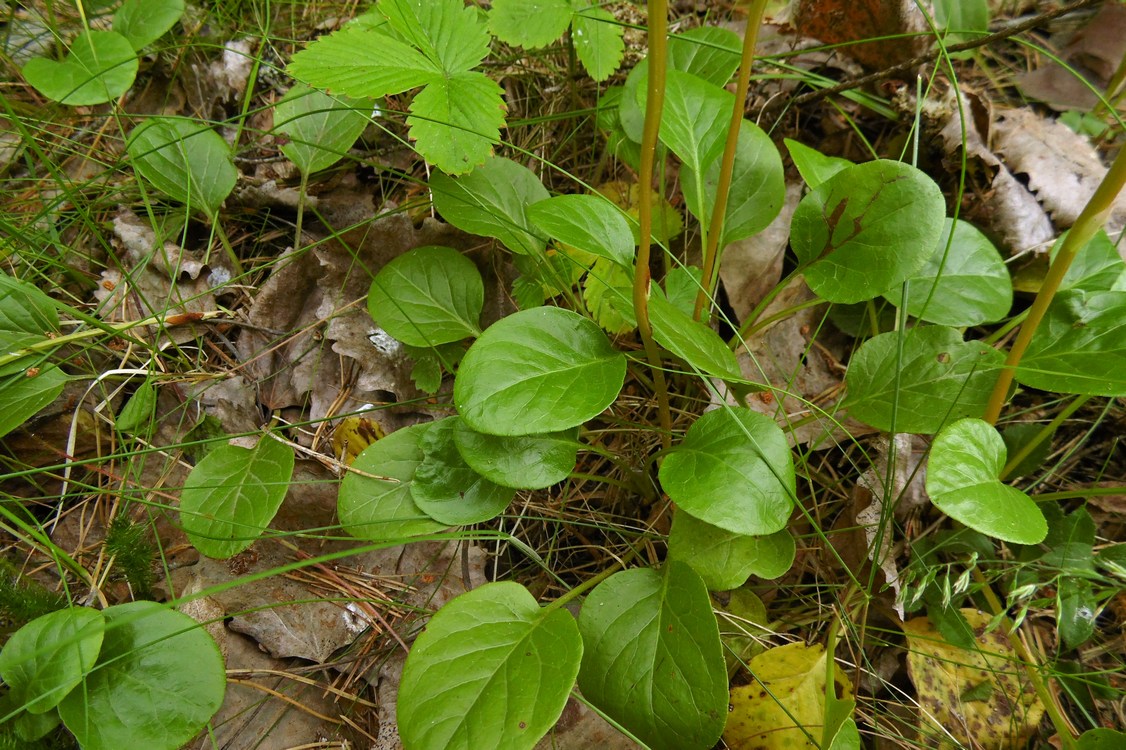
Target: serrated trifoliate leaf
x,y
813,166
527,462
48,657
597,37
24,308
965,285
653,660
1080,346
28,390
99,67
866,229
1097,267
590,223
962,479
447,489
529,23
708,52
233,493
320,128
694,120
359,61
691,340
184,159
725,559
448,32
930,379
758,186
490,201
380,506
142,22
428,296
456,120
608,293
492,669
540,370
733,470
159,679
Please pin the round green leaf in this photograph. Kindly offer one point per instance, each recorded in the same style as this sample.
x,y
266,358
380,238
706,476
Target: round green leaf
x,y
320,128
447,489
159,679
1080,346
492,669
708,52
428,296
1102,739
966,285
490,202
691,340
587,222
184,159
733,470
99,67
653,659
233,493
142,22
694,121
934,378
47,658
866,229
524,462
758,186
725,559
814,166
540,370
381,507
25,392
966,459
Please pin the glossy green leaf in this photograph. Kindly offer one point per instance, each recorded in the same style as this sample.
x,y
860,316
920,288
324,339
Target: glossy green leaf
x,y
724,559
184,159
159,679
758,186
99,67
966,459
691,340
653,659
31,727
963,20
867,229
447,489
694,121
142,22
456,120
138,410
491,202
682,285
966,285
24,308
529,23
1076,612
233,493
492,669
711,53
1080,346
597,37
320,128
380,506
428,296
1102,739
733,470
361,62
527,462
587,222
540,370
1097,267
934,378
608,293
1016,437
813,166
24,394
49,656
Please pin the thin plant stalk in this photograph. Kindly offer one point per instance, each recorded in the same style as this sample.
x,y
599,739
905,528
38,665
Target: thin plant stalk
x,y
658,33
1090,221
727,162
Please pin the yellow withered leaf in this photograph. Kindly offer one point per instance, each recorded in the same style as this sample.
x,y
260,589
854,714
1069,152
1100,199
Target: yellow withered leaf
x,y
785,706
352,435
976,698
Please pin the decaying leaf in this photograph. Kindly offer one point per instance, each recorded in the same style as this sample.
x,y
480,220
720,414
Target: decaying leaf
x,y
978,698
751,267
785,706
896,31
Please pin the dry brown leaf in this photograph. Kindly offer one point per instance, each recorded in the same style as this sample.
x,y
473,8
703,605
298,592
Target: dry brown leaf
x,y
898,28
978,698
751,267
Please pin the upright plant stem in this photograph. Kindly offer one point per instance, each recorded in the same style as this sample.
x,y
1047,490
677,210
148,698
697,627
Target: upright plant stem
x,y
658,32
727,163
1093,217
